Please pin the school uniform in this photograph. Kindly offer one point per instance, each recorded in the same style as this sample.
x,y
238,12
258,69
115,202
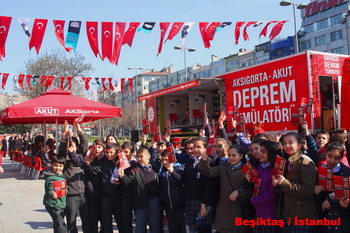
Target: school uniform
x,y
231,179
298,193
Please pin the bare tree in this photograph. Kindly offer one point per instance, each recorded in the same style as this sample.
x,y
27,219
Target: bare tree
x,y
59,64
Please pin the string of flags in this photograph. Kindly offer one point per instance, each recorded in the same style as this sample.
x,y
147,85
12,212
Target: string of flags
x,y
107,38
28,81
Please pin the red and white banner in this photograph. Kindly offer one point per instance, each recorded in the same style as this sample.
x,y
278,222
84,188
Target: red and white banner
x,y
59,31
38,32
92,35
130,33
151,114
268,92
5,23
107,40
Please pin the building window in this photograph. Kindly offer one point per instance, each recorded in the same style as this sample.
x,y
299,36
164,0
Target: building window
x,y
305,45
339,50
337,35
335,19
322,24
309,28
320,40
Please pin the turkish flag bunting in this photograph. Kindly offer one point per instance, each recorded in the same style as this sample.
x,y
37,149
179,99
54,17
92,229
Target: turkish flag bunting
x,y
103,84
130,85
4,80
62,82
264,30
38,32
111,86
92,35
211,30
86,81
203,29
69,82
163,29
59,32
49,81
122,80
175,29
42,80
245,34
20,80
130,33
118,41
28,79
5,23
277,29
107,40
238,31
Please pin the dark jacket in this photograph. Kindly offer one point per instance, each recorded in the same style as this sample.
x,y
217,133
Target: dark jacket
x,y
73,173
136,179
105,169
336,211
197,185
170,184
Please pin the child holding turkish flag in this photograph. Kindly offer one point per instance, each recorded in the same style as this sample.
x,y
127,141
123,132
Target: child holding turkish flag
x,y
55,194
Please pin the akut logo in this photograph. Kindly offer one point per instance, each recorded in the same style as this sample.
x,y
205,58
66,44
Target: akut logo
x,y
46,111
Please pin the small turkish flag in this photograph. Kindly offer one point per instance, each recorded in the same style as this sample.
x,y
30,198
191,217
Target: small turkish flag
x,y
4,80
238,31
245,34
38,32
163,28
59,31
20,80
175,29
130,33
264,30
277,29
203,29
111,86
62,82
28,79
86,81
92,35
107,40
42,80
211,30
118,41
5,23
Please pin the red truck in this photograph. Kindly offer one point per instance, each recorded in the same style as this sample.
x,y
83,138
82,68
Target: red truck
x,y
273,92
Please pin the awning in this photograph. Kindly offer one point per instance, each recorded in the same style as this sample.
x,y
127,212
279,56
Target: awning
x,y
182,89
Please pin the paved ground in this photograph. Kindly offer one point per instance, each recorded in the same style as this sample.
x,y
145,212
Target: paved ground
x,y
21,208
21,197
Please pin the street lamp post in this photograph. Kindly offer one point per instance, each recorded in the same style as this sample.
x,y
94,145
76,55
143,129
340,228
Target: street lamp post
x,y
299,7
189,50
136,94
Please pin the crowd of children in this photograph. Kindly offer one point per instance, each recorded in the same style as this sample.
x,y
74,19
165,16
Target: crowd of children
x,y
200,187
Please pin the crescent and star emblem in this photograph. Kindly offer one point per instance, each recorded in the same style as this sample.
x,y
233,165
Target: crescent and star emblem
x,y
117,36
107,33
2,29
176,27
92,30
58,27
40,25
